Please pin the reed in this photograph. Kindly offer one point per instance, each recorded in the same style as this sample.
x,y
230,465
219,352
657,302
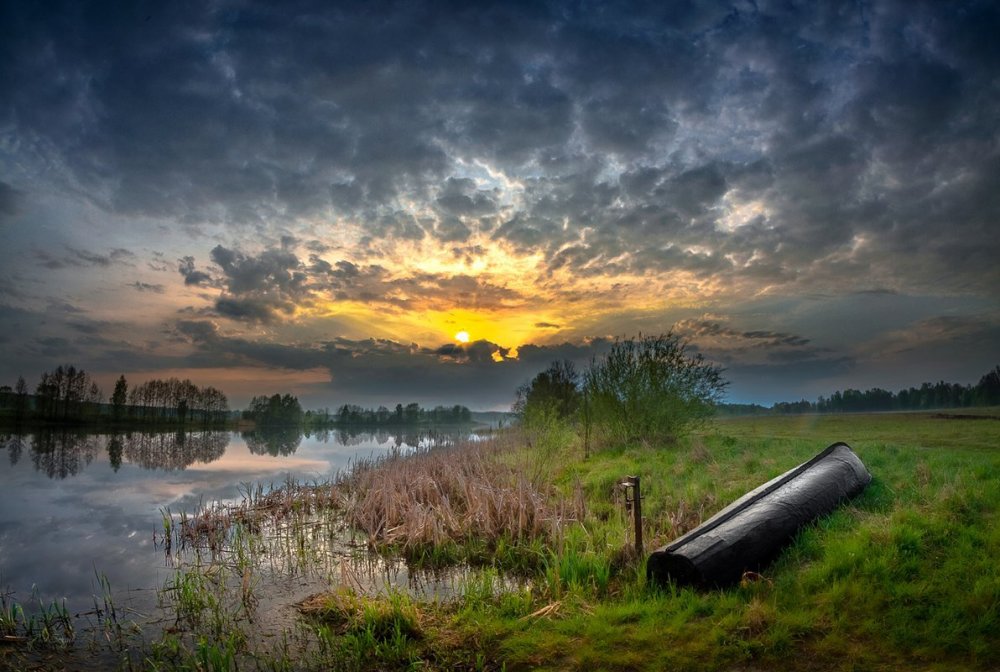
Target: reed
x,y
457,495
471,502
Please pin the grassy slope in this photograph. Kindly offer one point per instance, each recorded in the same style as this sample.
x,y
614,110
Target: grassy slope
x,y
906,576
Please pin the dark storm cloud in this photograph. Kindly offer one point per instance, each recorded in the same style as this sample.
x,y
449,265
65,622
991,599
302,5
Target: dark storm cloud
x,y
704,328
191,275
275,282
867,130
262,287
462,197
199,331
74,257
253,309
10,202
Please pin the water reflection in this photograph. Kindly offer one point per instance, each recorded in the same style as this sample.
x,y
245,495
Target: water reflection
x,y
174,451
399,436
15,446
77,503
56,454
274,441
60,454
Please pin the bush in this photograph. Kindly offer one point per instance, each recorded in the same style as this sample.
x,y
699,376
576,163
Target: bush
x,y
554,391
650,389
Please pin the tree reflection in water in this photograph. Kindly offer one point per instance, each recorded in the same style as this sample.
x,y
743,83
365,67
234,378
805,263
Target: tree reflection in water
x,y
400,436
60,454
273,440
173,451
14,443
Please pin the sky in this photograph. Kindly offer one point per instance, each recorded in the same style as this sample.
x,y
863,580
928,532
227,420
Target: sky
x,y
381,202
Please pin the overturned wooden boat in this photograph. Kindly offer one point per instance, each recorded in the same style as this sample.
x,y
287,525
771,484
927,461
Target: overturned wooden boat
x,y
753,530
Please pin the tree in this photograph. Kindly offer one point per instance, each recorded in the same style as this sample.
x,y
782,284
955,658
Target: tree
x,y
555,390
987,391
46,395
119,397
275,411
65,393
93,398
20,400
650,388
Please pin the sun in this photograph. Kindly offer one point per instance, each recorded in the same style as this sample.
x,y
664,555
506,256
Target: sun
x,y
462,337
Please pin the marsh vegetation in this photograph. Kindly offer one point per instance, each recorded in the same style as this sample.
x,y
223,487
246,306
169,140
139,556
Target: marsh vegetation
x,y
493,555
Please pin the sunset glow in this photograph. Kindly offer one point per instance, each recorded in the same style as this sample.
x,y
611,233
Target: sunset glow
x,y
363,212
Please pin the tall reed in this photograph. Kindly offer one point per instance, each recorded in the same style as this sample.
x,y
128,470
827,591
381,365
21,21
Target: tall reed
x,y
460,494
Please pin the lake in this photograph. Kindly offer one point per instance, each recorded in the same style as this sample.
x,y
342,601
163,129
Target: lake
x,y
77,505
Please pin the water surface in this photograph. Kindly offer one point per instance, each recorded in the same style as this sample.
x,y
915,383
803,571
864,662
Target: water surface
x,y
76,505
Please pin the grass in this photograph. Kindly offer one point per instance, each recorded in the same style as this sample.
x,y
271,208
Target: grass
x,y
457,503
902,577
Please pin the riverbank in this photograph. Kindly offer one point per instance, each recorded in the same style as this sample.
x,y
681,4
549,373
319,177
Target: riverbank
x,y
902,577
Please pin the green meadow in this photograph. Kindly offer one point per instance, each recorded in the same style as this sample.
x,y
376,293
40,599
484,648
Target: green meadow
x,y
905,576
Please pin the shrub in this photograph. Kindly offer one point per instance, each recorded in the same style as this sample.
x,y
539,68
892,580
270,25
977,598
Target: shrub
x,y
554,391
650,388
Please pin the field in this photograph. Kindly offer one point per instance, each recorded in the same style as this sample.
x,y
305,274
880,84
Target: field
x,y
903,577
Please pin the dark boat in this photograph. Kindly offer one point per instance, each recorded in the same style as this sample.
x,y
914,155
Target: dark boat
x,y
751,532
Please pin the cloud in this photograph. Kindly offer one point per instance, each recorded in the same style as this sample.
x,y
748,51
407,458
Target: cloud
x,y
276,284
713,334
610,158
191,275
383,370
10,202
199,331
140,286
260,288
796,146
80,258
937,334
252,309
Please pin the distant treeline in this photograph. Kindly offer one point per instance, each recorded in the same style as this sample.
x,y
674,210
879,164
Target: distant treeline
x,y
412,414
68,395
928,396
284,410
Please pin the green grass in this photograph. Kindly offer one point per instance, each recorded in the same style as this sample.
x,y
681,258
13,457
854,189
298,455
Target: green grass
x,y
903,577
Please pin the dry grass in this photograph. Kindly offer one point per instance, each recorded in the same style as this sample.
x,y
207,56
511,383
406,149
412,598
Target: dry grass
x,y
455,494
685,516
411,502
291,504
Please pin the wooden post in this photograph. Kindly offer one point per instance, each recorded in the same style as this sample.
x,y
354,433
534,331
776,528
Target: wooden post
x,y
635,506
637,512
